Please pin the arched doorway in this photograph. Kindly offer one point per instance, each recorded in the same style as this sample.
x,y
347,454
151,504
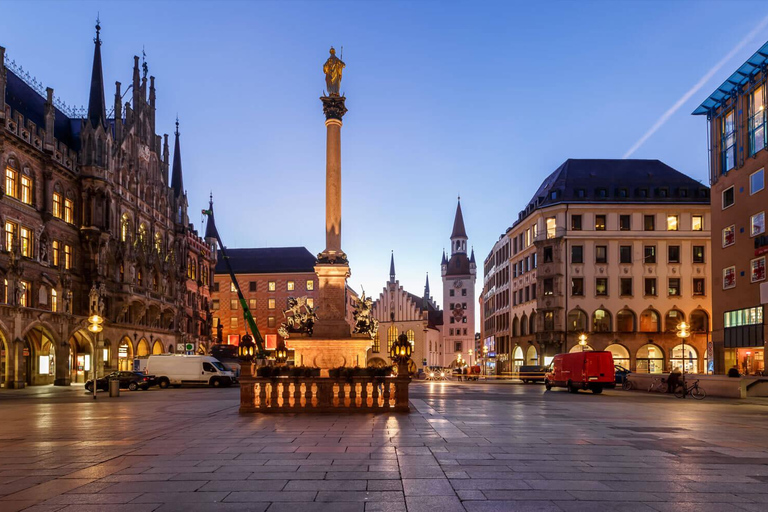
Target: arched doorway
x,y
620,354
125,355
5,365
579,348
157,348
685,355
532,357
81,357
649,359
518,359
142,349
39,358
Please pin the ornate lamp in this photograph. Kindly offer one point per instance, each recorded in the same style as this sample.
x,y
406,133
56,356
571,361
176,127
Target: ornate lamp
x,y
247,349
281,354
400,353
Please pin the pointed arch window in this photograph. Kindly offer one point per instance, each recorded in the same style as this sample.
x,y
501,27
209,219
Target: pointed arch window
x,y
411,336
392,333
376,344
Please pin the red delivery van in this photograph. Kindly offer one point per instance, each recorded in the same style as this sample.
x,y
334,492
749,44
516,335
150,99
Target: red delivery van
x,y
582,370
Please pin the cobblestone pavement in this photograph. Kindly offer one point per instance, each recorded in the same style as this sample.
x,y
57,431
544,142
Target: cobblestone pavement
x,y
476,447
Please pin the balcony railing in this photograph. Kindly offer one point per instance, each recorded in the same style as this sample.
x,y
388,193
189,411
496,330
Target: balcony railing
x,y
322,394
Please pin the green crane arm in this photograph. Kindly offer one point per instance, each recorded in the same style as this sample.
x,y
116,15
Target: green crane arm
x,y
249,321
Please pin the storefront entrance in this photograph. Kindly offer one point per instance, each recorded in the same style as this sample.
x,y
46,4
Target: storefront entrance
x,y
749,361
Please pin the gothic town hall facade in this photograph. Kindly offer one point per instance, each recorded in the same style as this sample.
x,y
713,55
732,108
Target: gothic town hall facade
x,y
87,201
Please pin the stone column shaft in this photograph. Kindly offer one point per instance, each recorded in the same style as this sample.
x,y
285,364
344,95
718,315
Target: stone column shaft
x,y
333,186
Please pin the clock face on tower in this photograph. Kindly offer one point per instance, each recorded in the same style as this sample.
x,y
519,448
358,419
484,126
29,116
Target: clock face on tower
x,y
457,283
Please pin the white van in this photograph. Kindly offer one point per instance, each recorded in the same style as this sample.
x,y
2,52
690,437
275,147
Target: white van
x,y
175,370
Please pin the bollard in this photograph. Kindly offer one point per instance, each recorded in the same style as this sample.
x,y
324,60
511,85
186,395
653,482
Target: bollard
x,y
114,388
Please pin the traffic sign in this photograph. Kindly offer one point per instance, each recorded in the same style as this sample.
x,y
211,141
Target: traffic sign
x,y
190,347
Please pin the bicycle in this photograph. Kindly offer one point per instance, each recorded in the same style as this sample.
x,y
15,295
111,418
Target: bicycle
x,y
659,384
694,390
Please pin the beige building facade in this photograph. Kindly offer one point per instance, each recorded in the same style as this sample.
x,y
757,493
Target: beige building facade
x,y
618,251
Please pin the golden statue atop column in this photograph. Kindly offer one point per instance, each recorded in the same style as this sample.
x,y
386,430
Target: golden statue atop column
x,y
333,68
332,343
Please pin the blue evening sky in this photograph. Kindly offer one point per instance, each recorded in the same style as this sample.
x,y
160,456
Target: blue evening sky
x,y
481,99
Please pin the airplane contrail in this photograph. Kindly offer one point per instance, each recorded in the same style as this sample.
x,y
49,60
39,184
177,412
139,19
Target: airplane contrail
x,y
693,90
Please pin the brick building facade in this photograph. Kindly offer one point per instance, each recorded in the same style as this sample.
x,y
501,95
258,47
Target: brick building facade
x,y
87,201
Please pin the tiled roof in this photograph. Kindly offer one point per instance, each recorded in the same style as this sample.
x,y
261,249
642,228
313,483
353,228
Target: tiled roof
x,y
616,181
26,101
267,260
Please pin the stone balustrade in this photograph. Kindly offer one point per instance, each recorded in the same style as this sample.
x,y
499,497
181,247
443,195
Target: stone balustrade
x,y
324,394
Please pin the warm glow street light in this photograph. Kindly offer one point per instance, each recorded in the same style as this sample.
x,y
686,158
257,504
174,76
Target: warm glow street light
x,y
583,341
683,332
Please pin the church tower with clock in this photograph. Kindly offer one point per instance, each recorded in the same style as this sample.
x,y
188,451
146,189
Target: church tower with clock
x,y
459,273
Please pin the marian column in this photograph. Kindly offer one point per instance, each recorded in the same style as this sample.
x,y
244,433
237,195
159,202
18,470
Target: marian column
x,y
332,266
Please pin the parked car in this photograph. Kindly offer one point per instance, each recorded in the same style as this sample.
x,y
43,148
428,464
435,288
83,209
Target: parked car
x,y
532,373
128,380
175,370
582,370
621,374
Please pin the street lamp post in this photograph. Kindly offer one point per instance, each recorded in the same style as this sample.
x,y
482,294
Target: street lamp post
x,y
485,360
583,341
96,321
470,357
683,332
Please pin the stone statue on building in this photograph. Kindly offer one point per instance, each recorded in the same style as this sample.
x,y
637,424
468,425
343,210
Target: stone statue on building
x,y
44,248
333,68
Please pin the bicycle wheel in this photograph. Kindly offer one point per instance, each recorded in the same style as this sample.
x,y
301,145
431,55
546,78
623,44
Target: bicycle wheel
x,y
680,392
627,385
698,393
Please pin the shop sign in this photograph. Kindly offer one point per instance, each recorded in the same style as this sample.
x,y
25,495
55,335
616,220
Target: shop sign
x,y
761,251
25,352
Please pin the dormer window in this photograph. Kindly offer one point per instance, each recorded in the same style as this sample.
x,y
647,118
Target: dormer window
x,y
642,192
581,193
622,192
602,193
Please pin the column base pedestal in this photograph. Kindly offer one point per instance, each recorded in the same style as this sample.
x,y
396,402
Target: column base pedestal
x,y
327,353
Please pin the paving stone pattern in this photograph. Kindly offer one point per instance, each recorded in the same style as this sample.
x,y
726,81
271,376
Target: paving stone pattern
x,y
466,447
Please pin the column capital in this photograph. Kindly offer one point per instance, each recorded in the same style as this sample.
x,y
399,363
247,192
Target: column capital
x,y
333,107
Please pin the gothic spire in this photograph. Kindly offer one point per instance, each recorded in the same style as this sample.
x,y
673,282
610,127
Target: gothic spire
x,y
426,288
392,268
472,258
210,226
177,184
458,224
97,111
445,260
